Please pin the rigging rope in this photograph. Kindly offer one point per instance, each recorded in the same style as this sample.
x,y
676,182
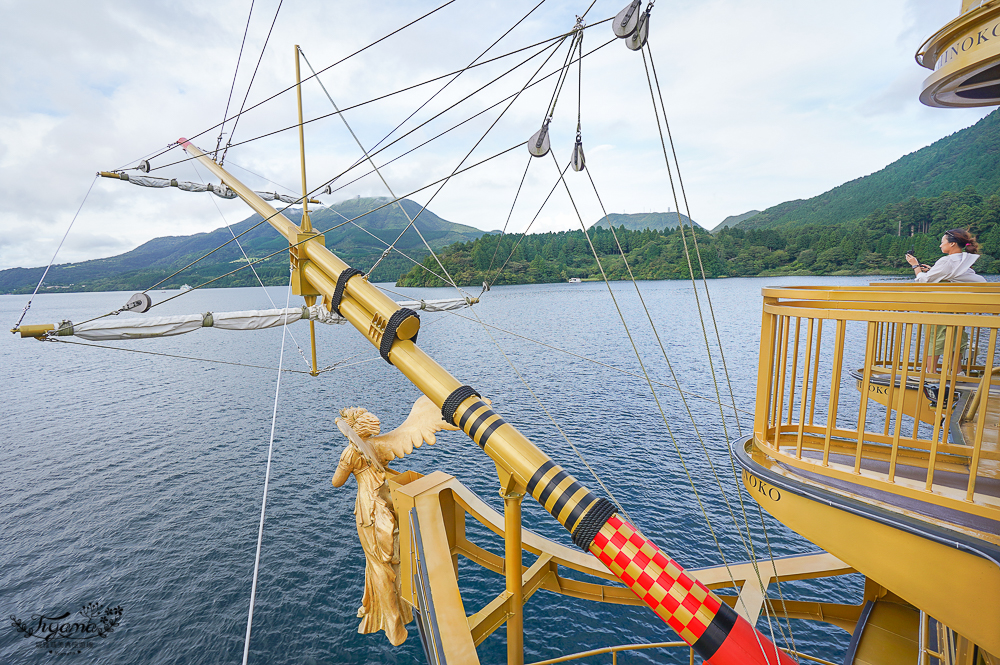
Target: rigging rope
x,y
267,480
328,368
652,389
721,352
17,325
247,259
249,85
749,539
344,59
239,57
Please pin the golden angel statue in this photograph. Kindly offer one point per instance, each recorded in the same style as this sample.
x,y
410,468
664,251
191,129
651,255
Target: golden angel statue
x,y
365,456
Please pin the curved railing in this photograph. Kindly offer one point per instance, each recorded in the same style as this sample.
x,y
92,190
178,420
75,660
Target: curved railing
x,y
923,432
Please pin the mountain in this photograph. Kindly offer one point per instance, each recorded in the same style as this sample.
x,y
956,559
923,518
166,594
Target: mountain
x,y
157,259
968,157
656,221
733,220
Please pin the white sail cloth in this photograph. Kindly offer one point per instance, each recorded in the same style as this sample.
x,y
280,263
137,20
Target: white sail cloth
x,y
221,191
107,330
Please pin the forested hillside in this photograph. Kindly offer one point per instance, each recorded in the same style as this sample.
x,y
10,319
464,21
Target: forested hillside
x,y
970,157
867,246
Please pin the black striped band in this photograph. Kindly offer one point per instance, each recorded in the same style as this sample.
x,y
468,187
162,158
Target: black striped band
x,y
338,292
389,336
537,476
716,633
590,525
485,435
554,481
468,414
581,505
454,400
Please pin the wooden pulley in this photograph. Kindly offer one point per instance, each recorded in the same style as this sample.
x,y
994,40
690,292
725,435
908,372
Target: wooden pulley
x,y
627,20
538,145
641,34
577,160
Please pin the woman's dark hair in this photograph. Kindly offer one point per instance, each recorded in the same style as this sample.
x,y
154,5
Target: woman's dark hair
x,y
963,239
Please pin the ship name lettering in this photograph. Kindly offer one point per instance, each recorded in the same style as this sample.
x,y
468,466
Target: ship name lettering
x,y
762,488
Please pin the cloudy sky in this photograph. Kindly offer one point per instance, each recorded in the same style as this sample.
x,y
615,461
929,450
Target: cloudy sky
x,y
767,101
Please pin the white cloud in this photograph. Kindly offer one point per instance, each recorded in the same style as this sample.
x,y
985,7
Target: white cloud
x,y
768,101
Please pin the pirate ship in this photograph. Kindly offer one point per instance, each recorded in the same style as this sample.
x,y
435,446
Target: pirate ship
x,y
901,486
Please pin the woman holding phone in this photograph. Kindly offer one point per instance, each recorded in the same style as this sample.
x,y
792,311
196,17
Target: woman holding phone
x,y
960,252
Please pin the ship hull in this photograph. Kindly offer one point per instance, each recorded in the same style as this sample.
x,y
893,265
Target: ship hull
x,y
950,576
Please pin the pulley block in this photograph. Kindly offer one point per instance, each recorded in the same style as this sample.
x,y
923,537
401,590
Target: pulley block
x,y
139,302
538,145
577,160
641,34
627,20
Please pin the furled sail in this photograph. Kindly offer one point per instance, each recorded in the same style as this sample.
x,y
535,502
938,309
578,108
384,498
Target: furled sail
x,y
222,191
106,330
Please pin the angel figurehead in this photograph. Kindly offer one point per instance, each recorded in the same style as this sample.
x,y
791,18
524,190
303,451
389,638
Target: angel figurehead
x,y
365,457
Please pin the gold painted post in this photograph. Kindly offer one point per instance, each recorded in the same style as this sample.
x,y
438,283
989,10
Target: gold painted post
x,y
977,444
812,395
838,362
512,571
765,367
306,224
904,377
805,389
866,379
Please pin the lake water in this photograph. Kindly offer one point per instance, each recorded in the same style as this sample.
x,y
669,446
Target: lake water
x,y
136,480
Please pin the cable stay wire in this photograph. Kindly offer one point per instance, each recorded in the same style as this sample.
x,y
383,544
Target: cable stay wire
x,y
360,104
458,167
652,389
708,351
721,351
342,60
27,306
332,180
267,480
247,259
506,223
340,364
225,114
249,85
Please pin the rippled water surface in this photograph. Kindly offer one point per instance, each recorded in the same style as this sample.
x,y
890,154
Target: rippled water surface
x,y
134,479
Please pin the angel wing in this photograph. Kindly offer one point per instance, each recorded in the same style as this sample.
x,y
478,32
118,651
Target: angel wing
x,y
424,420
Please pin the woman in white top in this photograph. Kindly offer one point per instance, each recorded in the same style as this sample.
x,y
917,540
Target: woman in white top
x,y
960,252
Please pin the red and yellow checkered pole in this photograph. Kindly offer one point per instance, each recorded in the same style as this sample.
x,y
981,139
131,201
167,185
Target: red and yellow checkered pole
x,y
717,633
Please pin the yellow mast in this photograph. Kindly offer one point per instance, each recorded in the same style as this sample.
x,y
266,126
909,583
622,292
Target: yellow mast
x,y
306,226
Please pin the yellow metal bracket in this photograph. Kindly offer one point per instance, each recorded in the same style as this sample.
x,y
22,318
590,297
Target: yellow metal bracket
x,y
297,256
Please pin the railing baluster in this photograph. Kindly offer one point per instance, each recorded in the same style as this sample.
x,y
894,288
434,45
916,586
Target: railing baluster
x,y
812,397
782,380
981,420
795,363
775,409
938,417
838,361
906,335
892,360
870,343
805,389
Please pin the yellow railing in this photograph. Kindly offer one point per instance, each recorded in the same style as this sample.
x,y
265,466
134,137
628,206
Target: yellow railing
x,y
614,651
900,431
